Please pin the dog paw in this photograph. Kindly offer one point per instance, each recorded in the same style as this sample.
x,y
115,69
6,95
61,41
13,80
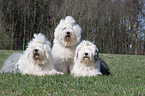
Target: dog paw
x,y
98,73
61,73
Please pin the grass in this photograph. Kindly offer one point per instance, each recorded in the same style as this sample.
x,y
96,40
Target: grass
x,y
127,79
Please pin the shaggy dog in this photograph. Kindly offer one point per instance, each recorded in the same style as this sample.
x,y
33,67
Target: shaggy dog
x,y
37,59
10,63
86,60
67,35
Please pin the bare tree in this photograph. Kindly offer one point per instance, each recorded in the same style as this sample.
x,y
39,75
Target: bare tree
x,y
113,25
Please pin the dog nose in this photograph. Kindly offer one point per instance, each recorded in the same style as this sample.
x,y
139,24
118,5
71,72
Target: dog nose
x,y
36,50
86,54
67,33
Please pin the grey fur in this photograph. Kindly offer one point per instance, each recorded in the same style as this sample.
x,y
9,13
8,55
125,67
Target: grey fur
x,y
104,67
10,64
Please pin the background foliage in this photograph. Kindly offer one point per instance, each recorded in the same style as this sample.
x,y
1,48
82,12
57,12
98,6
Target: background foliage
x,y
114,25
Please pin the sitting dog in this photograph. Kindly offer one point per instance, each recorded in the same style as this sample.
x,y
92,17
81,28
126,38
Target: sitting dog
x,y
67,35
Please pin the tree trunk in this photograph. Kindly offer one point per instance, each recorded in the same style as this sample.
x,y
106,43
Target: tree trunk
x,y
24,38
12,35
136,45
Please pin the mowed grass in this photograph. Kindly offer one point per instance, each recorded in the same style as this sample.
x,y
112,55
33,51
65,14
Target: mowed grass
x,y
127,79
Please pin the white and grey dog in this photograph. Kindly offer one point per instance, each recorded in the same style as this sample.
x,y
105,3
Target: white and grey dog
x,y
67,35
37,58
86,60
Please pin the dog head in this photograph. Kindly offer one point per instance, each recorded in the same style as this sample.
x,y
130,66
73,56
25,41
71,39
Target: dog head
x,y
86,52
38,50
67,33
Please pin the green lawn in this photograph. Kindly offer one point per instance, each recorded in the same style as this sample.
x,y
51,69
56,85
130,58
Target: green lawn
x,y
127,79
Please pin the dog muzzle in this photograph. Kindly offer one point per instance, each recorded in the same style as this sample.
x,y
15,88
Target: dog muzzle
x,y
67,36
86,57
36,54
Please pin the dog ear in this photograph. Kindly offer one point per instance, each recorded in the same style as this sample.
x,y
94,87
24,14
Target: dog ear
x,y
47,52
77,52
96,56
77,55
58,29
78,31
28,53
47,55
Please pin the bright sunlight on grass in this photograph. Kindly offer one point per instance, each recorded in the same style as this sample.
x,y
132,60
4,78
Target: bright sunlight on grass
x,y
127,79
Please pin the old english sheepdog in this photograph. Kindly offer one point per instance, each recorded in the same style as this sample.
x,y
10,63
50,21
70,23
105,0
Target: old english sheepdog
x,y
37,58
86,60
67,35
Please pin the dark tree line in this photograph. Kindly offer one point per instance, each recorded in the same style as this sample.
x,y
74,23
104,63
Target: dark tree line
x,y
113,25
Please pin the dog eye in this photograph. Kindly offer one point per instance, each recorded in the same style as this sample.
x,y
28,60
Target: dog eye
x,y
64,28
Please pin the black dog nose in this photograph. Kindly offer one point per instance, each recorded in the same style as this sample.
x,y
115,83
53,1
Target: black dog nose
x,y
67,33
86,53
36,50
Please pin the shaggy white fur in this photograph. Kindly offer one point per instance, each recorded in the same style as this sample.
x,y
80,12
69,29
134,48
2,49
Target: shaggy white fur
x,y
67,35
10,63
84,60
37,59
